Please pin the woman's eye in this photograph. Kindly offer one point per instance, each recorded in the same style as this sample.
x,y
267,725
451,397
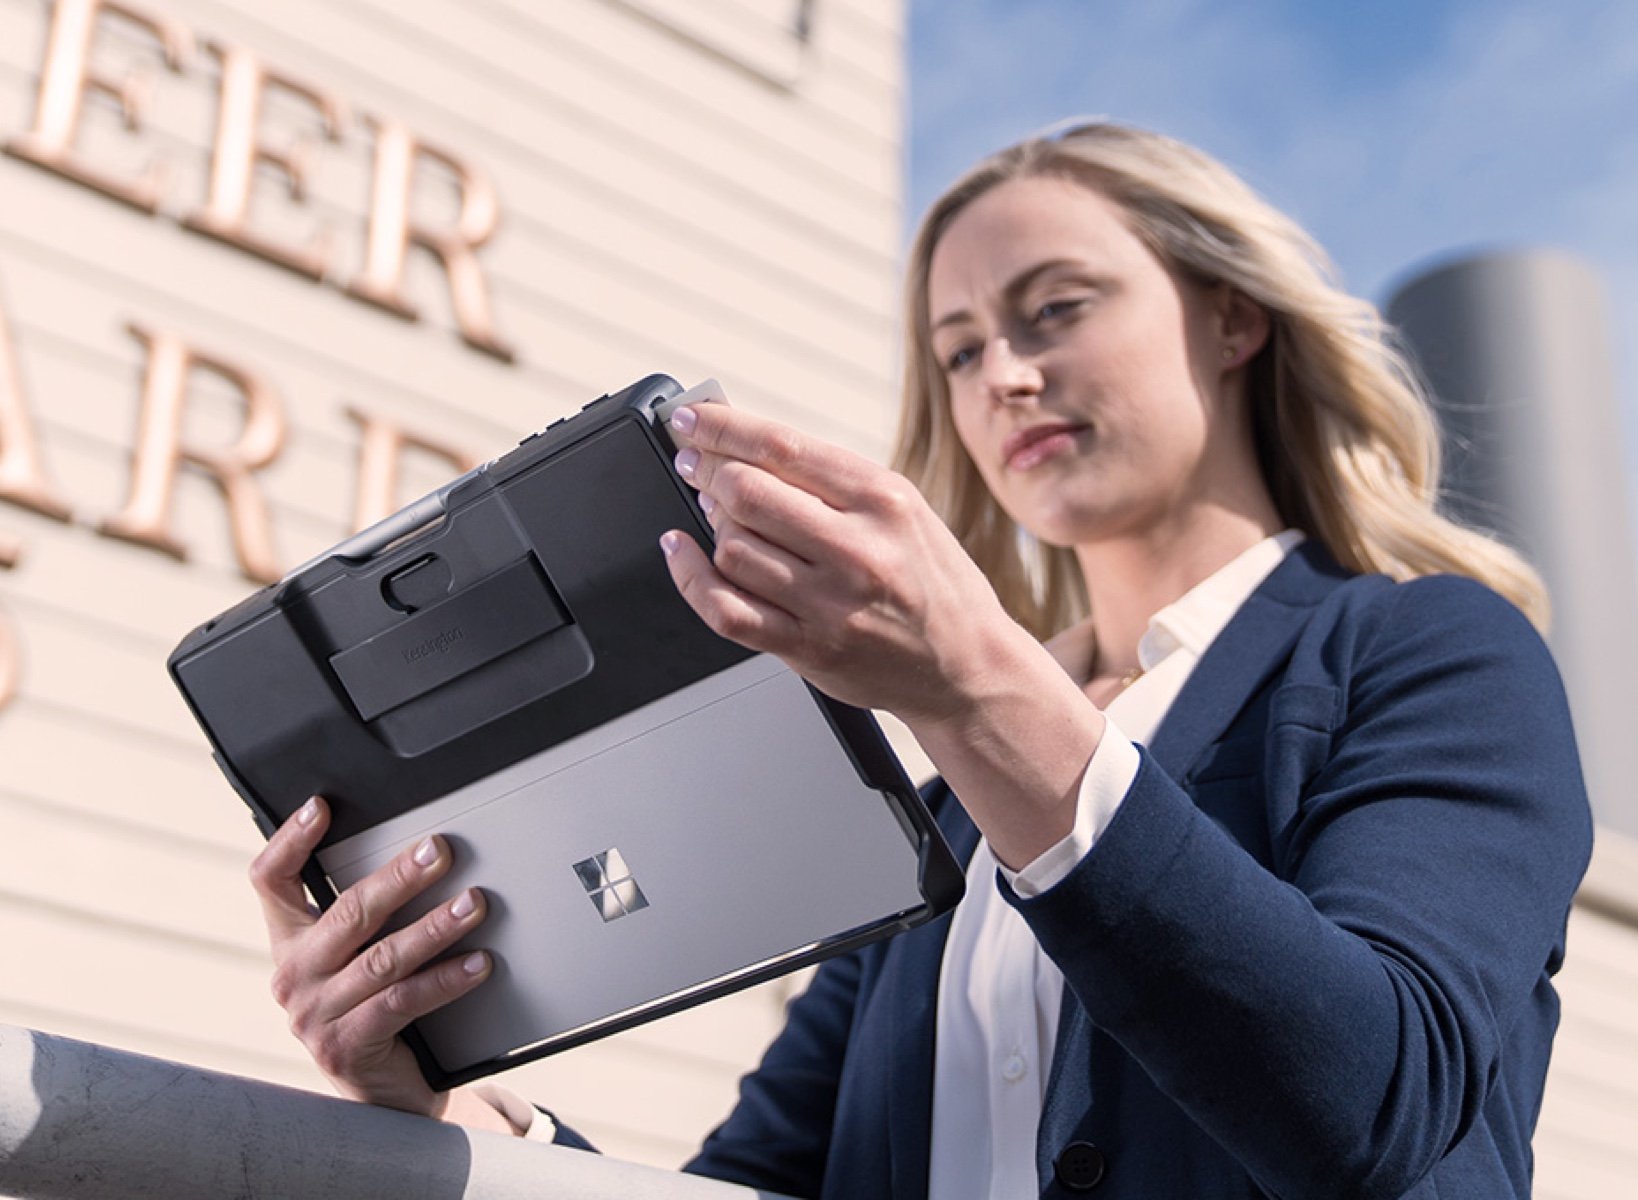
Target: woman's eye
x,y
1054,309
960,357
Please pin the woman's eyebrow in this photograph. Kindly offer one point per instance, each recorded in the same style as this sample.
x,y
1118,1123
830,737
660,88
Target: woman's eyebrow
x,y
1015,287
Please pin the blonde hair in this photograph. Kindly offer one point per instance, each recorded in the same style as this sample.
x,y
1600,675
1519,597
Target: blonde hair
x,y
1347,441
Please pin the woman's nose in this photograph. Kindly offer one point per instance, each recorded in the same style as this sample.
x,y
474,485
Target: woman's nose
x,y
1009,377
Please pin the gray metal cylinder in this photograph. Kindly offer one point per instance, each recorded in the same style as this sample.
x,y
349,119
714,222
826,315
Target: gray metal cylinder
x,y
84,1122
1516,349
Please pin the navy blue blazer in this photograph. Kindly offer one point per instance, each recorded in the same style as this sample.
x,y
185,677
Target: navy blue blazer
x,y
1309,957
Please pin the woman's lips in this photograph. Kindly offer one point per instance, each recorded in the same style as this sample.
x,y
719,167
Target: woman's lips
x,y
1031,447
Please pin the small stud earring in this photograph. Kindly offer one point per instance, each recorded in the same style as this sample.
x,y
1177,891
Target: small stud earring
x,y
1229,353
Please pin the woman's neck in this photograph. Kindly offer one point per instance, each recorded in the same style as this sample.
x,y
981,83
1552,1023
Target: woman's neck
x,y
1129,579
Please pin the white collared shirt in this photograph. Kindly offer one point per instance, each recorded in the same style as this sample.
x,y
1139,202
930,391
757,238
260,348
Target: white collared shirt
x,y
998,993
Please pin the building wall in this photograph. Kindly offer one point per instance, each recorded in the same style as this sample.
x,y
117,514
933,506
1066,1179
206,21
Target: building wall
x,y
1584,1144
681,187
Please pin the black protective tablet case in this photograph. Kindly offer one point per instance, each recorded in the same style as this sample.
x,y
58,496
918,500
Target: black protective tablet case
x,y
522,607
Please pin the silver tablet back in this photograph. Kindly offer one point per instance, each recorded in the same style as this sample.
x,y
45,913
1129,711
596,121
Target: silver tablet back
x,y
695,839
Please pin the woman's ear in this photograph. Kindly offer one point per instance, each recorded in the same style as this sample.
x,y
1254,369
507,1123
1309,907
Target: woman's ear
x,y
1243,326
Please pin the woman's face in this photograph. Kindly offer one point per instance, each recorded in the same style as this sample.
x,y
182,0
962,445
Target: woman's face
x,y
1086,381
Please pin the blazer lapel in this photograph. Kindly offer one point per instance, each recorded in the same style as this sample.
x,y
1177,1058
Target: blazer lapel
x,y
1239,661
1242,657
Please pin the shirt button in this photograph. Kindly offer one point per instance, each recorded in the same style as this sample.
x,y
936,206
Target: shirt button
x,y
1014,1069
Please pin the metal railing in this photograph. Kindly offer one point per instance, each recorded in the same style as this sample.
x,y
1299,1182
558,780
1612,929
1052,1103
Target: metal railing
x,y
86,1122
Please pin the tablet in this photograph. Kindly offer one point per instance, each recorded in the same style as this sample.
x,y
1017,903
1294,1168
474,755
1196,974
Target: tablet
x,y
655,815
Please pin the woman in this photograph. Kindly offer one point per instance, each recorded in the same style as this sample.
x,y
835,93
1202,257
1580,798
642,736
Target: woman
x,y
1300,944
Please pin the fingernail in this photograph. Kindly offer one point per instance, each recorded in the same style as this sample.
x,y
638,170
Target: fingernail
x,y
707,503
670,542
307,813
464,905
427,853
476,963
684,420
688,460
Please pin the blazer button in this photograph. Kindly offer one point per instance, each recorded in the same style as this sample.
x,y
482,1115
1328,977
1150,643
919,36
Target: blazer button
x,y
1080,1166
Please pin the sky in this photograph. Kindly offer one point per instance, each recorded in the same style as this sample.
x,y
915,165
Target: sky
x,y
1401,134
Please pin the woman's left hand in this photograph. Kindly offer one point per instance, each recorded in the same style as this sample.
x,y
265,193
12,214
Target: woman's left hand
x,y
835,565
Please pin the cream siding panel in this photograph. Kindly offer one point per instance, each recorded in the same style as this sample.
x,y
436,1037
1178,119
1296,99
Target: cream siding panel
x,y
759,35
143,979
877,18
108,869
129,685
175,1044
577,326
868,37
185,108
584,226
840,103
578,336
68,569
797,228
600,41
199,521
115,265
1582,1177
84,386
177,792
661,209
1584,1143
650,110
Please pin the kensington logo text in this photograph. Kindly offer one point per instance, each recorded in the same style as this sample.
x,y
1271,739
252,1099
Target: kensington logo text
x,y
435,645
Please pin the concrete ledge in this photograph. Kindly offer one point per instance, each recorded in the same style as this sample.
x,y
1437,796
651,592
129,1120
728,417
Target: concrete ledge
x,y
85,1122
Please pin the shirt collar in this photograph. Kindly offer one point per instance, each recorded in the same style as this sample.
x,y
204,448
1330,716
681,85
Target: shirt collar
x,y
1193,620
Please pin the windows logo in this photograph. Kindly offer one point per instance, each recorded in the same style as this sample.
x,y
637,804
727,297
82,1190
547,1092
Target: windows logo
x,y
607,880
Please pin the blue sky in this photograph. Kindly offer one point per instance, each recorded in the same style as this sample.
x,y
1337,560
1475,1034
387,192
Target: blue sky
x,y
1400,133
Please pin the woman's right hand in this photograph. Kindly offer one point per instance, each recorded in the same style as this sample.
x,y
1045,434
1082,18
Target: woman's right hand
x,y
348,1007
